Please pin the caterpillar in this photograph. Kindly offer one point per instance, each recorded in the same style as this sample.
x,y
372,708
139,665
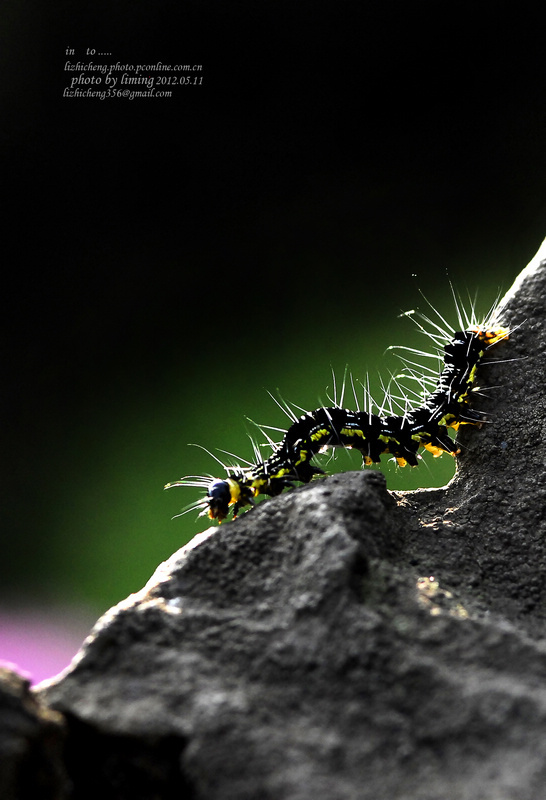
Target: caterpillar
x,y
445,405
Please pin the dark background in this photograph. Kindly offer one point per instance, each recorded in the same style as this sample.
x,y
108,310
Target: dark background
x,y
167,260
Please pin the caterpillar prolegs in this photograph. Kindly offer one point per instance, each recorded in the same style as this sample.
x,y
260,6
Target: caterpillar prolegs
x,y
445,404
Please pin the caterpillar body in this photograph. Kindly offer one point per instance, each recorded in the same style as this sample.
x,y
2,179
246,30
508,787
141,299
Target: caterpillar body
x,y
445,406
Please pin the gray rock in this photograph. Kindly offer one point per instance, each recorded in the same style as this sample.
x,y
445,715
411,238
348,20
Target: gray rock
x,y
31,744
341,642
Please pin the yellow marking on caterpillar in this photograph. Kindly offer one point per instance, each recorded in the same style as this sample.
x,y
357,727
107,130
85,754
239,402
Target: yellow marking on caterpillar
x,y
437,451
234,490
303,457
257,484
471,377
352,432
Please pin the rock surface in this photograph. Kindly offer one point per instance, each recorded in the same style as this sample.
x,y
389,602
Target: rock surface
x,y
341,642
31,744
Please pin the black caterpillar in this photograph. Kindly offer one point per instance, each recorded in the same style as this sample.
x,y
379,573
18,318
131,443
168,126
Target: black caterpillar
x,y
401,436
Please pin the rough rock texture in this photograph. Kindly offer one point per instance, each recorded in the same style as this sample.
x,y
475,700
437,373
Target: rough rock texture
x,y
31,744
341,642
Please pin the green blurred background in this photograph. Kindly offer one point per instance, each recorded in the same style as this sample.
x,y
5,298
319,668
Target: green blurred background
x,y
171,260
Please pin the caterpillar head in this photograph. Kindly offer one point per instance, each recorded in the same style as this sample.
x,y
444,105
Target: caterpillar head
x,y
222,495
219,498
